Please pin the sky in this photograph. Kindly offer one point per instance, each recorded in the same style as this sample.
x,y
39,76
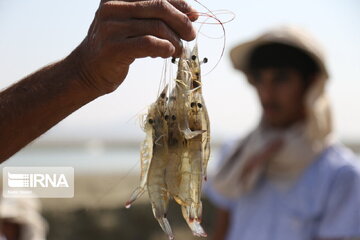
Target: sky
x,y
34,33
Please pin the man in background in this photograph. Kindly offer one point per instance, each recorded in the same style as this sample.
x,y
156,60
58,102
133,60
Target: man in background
x,y
289,178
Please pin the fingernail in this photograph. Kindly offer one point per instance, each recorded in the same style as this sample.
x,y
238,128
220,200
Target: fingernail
x,y
193,16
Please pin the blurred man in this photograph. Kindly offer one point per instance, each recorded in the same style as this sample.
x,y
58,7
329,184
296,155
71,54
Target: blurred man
x,y
288,179
121,32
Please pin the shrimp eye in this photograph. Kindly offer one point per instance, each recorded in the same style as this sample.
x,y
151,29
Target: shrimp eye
x,y
173,117
163,95
151,121
197,74
205,60
193,104
166,117
193,57
199,105
173,60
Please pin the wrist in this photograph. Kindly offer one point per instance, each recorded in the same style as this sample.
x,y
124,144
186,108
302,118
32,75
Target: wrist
x,y
81,78
95,76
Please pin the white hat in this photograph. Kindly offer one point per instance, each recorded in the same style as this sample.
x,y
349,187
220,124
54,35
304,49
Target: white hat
x,y
288,35
25,212
319,120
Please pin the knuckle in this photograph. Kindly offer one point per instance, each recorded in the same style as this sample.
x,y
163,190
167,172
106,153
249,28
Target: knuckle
x,y
159,27
106,8
161,4
166,50
102,11
155,48
147,41
184,5
181,5
185,20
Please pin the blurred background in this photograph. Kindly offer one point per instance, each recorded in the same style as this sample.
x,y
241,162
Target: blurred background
x,y
101,140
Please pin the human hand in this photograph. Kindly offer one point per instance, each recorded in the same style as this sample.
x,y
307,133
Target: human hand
x,y
123,31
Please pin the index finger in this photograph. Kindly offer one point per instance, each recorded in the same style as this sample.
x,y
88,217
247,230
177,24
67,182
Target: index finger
x,y
179,4
173,15
182,6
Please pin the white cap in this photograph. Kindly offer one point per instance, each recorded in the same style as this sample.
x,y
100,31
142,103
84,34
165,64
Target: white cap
x,y
319,120
26,213
288,35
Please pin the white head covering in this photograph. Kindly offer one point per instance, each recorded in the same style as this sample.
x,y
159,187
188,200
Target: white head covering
x,y
289,35
319,122
26,213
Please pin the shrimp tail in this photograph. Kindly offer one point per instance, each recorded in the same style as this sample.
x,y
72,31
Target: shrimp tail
x,y
165,225
196,211
197,229
138,192
193,224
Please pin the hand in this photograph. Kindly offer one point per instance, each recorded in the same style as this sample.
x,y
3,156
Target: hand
x,y
261,158
125,30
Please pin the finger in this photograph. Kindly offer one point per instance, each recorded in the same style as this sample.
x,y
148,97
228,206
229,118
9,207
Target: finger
x,y
157,9
136,28
179,4
146,46
182,6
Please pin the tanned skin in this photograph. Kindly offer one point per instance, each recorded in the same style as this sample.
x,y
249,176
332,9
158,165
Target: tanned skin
x,y
121,32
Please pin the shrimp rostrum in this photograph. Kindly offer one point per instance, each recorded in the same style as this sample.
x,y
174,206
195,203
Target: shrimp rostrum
x,y
176,149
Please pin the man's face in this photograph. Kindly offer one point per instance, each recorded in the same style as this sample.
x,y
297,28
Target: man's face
x,y
281,93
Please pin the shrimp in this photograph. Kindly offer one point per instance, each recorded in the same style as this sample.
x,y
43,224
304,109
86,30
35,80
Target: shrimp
x,y
195,63
176,149
175,141
178,128
156,184
147,148
189,191
153,172
182,90
145,156
198,147
192,157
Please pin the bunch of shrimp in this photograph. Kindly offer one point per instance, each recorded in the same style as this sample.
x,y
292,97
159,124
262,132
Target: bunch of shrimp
x,y
176,150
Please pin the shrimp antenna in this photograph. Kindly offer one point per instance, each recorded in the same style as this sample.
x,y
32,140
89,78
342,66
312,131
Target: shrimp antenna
x,y
211,15
163,77
111,188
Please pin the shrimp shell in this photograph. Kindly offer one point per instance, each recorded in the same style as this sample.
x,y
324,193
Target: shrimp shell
x,y
176,150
